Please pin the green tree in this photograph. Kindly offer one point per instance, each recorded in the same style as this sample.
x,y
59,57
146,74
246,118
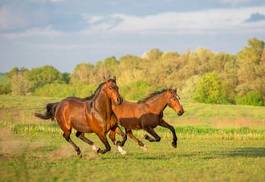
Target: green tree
x,y
251,68
20,85
153,54
83,73
209,89
106,67
131,69
44,75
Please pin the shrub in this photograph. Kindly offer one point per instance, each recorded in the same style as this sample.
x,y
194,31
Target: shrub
x,y
209,89
5,88
55,90
136,90
83,90
251,98
65,90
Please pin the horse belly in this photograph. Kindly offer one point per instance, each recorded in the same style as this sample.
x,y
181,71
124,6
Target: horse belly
x,y
130,123
80,124
150,123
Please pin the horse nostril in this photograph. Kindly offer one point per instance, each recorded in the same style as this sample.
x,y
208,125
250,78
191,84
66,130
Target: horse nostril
x,y
180,112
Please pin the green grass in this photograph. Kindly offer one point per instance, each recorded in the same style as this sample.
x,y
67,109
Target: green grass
x,y
34,150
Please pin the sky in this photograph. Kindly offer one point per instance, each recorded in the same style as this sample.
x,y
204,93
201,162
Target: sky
x,y
64,33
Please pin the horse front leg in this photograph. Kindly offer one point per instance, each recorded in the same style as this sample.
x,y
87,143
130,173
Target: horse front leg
x,y
112,136
171,128
104,140
152,132
119,144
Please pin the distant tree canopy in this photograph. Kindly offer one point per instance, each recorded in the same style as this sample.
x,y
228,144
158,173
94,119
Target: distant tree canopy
x,y
202,75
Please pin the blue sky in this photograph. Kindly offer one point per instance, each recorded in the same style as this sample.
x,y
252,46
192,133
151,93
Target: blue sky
x,y
64,33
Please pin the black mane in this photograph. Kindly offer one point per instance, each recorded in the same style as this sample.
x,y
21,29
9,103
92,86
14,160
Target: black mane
x,y
152,95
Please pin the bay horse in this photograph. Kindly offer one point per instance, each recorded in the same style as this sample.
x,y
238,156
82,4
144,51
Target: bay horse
x,y
89,115
147,114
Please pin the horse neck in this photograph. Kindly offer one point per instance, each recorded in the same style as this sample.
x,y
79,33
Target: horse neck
x,y
157,104
102,105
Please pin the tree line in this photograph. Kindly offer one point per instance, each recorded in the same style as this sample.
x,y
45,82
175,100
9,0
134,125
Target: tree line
x,y
201,75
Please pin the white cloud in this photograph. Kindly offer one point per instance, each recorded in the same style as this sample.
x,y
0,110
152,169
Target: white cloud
x,y
216,21
206,21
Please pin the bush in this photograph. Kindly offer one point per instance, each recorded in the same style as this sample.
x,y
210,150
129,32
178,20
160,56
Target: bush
x,y
251,98
83,90
64,90
5,88
55,90
209,89
136,90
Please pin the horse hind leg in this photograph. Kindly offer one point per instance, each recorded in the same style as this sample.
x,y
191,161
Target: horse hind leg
x,y
67,137
81,136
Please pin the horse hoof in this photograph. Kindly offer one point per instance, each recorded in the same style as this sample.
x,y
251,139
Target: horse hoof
x,y
146,137
174,144
99,151
144,148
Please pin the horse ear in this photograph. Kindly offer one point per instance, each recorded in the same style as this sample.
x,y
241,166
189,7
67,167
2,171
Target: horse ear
x,y
175,90
114,78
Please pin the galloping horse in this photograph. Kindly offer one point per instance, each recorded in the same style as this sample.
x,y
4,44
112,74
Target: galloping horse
x,y
148,114
89,115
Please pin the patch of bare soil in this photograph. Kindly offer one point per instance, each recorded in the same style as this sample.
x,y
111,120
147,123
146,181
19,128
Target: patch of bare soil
x,y
67,151
10,145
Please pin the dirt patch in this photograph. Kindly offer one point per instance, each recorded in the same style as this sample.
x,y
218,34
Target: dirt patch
x,y
10,145
63,152
67,151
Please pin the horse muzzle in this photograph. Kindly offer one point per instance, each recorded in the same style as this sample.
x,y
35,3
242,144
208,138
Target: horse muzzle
x,y
181,112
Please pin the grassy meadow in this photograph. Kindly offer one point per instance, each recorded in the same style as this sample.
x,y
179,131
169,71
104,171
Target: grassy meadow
x,y
216,143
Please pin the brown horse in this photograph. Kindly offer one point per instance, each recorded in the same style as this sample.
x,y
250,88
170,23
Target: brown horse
x,y
89,115
148,114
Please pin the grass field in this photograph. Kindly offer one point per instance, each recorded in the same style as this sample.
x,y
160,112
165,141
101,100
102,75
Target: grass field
x,y
216,143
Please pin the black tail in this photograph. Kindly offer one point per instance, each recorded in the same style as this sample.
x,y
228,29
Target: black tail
x,y
50,111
